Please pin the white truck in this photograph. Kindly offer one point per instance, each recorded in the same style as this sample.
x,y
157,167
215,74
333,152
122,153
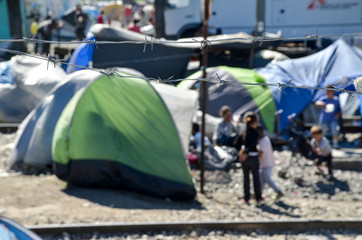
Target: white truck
x,y
294,18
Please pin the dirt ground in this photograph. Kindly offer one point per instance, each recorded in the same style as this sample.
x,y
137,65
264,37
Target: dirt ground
x,y
44,199
33,200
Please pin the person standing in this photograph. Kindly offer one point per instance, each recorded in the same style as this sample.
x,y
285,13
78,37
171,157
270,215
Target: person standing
x,y
331,111
45,30
81,20
128,14
249,156
266,161
100,18
34,27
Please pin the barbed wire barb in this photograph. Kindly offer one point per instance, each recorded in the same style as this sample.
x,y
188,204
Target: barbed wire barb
x,y
32,40
108,74
282,86
344,90
311,36
169,80
51,59
203,43
262,39
220,80
112,73
87,41
148,42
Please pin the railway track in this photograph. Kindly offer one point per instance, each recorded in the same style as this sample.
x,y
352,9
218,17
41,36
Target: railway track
x,y
8,127
264,226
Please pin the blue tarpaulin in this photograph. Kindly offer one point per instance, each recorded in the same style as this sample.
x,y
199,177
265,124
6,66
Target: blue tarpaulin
x,y
82,56
6,75
334,65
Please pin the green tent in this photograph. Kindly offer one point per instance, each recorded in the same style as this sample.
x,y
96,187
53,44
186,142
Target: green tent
x,y
118,132
240,97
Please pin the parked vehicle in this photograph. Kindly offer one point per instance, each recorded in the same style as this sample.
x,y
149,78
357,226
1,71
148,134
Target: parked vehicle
x,y
294,18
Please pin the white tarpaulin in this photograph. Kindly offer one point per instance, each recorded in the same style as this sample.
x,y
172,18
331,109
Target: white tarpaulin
x,y
183,105
31,79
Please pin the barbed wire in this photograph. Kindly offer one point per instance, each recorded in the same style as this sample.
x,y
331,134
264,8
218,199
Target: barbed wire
x,y
216,80
152,41
209,41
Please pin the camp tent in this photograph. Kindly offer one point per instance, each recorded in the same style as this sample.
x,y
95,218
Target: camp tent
x,y
339,64
240,97
158,60
113,10
24,82
113,132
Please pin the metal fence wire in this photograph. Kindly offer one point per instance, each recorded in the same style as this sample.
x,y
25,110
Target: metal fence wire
x,y
53,61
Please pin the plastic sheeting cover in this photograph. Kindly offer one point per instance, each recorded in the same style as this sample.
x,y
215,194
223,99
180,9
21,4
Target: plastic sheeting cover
x,y
31,81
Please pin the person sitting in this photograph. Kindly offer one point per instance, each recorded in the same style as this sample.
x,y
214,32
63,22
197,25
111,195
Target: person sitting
x,y
322,150
225,131
134,26
196,137
215,157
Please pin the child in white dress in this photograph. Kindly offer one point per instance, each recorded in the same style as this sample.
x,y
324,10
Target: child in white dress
x,y
266,160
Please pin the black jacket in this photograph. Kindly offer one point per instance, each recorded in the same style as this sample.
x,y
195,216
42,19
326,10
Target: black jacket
x,y
249,139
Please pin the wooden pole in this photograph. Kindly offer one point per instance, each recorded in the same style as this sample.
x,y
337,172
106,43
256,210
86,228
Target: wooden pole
x,y
259,27
204,94
160,20
260,18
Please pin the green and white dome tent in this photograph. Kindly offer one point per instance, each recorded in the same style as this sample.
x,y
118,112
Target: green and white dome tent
x,y
118,132
242,93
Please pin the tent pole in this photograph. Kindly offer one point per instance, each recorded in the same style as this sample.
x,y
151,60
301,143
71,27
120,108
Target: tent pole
x,y
204,93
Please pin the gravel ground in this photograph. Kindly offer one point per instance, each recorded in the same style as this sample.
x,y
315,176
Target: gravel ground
x,y
44,199
321,234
